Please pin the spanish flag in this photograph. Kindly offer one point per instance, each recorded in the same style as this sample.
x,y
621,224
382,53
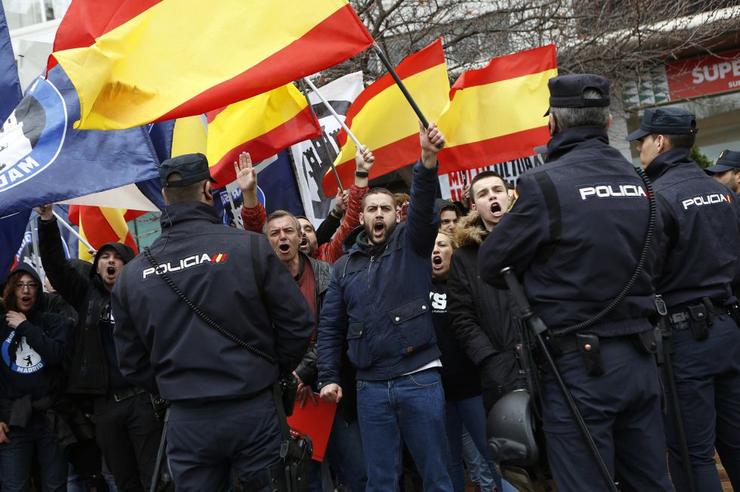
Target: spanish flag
x,y
495,113
137,61
100,225
383,120
262,125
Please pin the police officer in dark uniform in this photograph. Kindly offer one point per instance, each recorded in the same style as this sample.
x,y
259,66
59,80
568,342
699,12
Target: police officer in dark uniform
x,y
574,235
223,418
702,236
727,170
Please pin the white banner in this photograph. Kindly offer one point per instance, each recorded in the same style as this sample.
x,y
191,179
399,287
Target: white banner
x,y
312,158
453,184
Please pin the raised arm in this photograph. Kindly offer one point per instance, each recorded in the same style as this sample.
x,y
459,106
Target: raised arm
x,y
421,226
68,282
254,214
334,250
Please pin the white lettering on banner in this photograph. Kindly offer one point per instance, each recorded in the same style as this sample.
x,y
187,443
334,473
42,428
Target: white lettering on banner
x,y
610,191
453,184
717,71
712,199
185,263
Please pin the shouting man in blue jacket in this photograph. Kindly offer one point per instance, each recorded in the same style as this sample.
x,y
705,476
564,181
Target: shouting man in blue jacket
x,y
377,305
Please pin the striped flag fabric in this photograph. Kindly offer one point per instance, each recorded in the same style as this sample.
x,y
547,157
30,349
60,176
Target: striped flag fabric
x,y
138,61
383,120
100,225
496,113
262,125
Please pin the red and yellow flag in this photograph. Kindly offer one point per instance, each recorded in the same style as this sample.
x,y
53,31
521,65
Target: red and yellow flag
x,y
100,225
495,113
262,125
383,120
137,61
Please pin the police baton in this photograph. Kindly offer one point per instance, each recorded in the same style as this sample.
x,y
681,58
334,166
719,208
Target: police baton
x,y
157,475
538,327
665,351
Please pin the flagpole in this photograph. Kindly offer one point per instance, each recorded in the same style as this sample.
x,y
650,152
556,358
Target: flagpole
x,y
72,230
341,123
334,113
399,82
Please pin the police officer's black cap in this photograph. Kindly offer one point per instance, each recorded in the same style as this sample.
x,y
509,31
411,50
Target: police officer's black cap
x,y
728,160
664,121
566,91
190,167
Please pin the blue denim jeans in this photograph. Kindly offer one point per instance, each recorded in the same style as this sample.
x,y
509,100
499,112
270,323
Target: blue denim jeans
x,y
411,408
17,455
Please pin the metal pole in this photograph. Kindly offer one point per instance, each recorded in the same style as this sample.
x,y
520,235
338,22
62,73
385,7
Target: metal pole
x,y
341,123
156,476
399,82
333,113
72,230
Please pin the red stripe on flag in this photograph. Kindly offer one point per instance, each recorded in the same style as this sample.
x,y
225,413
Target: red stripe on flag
x,y
386,161
424,59
301,127
98,230
489,152
87,20
508,67
342,34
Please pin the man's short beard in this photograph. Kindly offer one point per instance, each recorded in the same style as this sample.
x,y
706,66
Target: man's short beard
x,y
388,232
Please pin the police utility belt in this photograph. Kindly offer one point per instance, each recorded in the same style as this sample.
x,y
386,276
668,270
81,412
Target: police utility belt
x,y
698,317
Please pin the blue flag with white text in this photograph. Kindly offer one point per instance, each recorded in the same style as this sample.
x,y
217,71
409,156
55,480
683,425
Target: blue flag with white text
x,y
44,159
11,227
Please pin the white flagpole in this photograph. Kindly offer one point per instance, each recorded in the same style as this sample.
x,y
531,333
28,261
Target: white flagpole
x,y
72,230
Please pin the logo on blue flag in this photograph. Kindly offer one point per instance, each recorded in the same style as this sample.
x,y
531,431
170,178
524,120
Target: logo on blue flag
x,y
29,140
44,159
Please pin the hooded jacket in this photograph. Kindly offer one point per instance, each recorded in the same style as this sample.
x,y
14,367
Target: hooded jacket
x,y
482,316
378,299
32,353
92,367
236,279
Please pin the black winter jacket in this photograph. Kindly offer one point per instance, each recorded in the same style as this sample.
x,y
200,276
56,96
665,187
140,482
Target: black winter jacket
x,y
235,277
33,352
89,368
575,234
701,231
482,316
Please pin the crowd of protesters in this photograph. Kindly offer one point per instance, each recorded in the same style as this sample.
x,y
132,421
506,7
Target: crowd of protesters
x,y
401,331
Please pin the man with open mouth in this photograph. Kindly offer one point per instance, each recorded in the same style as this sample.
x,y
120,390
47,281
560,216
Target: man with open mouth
x,y
254,213
377,306
127,430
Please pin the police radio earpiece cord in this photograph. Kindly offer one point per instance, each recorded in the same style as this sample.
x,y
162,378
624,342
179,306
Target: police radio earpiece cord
x,y
647,242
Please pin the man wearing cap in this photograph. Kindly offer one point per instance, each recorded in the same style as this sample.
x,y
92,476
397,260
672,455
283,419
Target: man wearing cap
x,y
574,235
223,418
701,238
126,428
727,170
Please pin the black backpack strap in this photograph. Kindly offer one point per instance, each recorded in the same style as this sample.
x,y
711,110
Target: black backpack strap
x,y
202,315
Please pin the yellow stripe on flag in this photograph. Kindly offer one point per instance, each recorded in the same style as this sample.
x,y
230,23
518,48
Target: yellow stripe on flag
x,y
500,108
189,135
115,219
219,40
82,251
388,118
251,118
